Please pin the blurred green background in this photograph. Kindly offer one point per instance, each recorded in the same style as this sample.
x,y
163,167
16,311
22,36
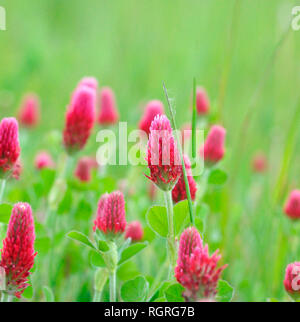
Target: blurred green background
x,y
133,46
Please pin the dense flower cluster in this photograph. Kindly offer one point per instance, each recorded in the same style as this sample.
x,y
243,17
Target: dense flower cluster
x,y
80,119
196,271
134,231
213,150
111,214
292,280
153,108
179,191
43,160
83,169
202,101
259,163
292,206
162,154
29,112
9,145
108,109
17,254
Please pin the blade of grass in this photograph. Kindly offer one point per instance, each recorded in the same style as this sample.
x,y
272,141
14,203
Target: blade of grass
x,y
287,155
188,193
194,121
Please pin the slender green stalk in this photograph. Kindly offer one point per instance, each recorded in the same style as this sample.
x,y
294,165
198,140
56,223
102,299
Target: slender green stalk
x,y
2,188
187,187
194,121
228,57
97,296
287,155
112,286
171,233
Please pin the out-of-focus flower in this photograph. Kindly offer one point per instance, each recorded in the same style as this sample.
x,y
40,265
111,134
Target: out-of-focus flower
x,y
89,82
162,154
111,214
43,160
196,271
80,119
292,280
153,108
17,170
213,150
259,163
202,101
179,191
152,190
83,169
108,109
292,206
134,231
9,145
17,254
29,112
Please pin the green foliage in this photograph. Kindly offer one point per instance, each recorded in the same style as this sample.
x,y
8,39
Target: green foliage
x,y
225,292
157,219
5,212
135,290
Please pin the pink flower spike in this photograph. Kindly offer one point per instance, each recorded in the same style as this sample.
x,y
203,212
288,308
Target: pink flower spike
x,y
292,206
111,214
213,150
80,119
83,169
17,254
9,145
134,231
292,280
196,271
108,110
152,109
202,101
259,163
162,154
43,160
179,191
17,170
29,112
89,82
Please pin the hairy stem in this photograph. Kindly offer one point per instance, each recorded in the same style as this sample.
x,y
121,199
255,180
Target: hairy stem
x,y
112,286
2,188
171,234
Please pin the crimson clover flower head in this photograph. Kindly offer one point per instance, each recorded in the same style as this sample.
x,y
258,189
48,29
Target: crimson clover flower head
x,y
196,271
83,169
259,163
153,108
29,112
179,191
89,82
111,214
292,280
80,119
202,101
213,150
292,206
162,154
17,254
108,114
134,231
43,160
9,145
